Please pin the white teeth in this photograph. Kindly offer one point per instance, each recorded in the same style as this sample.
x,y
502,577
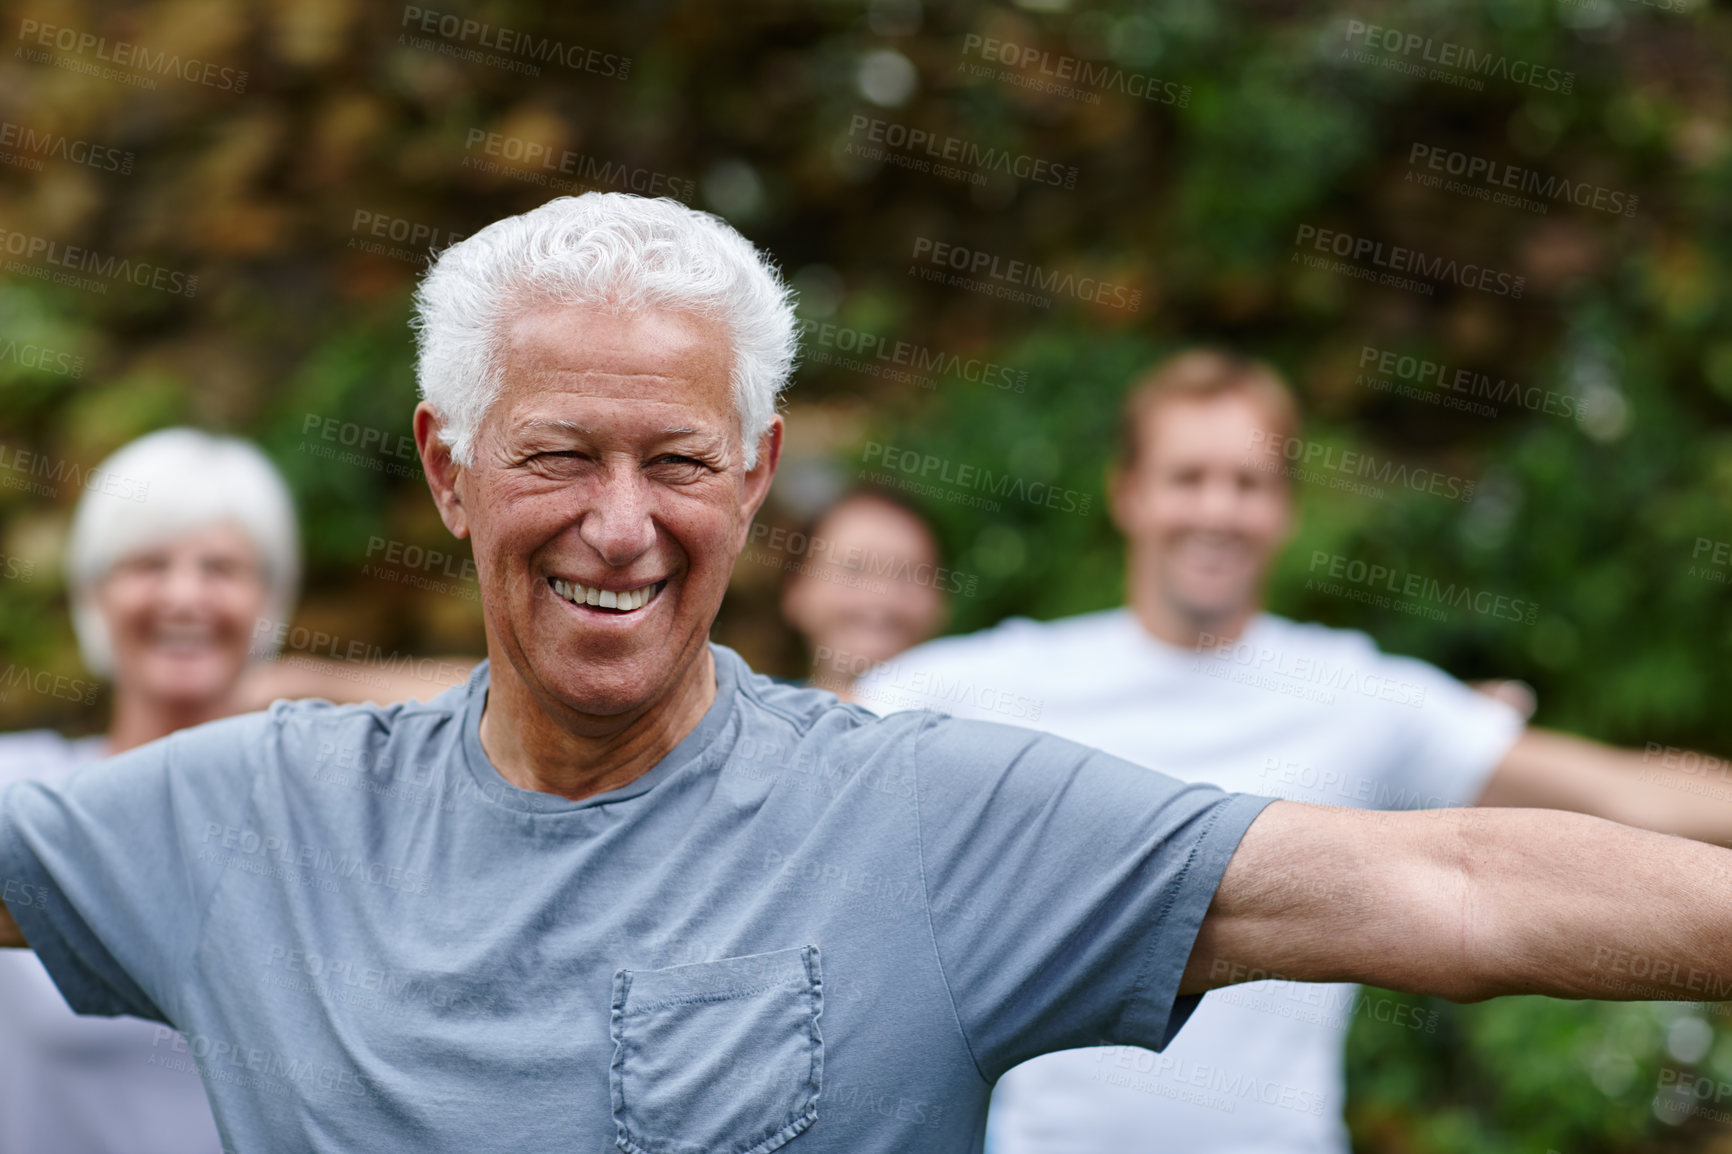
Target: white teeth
x,y
627,600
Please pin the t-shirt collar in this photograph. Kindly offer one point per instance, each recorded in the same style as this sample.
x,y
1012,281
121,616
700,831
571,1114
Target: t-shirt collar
x,y
493,786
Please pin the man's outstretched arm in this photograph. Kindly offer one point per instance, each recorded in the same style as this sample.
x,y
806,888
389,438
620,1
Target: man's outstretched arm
x,y
1468,904
1662,788
11,937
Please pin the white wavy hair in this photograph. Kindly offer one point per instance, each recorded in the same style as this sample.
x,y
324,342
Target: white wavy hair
x,y
608,250
174,482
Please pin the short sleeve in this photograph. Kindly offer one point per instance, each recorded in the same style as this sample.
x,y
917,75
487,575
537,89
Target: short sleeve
x,y
103,870
1453,743
1066,887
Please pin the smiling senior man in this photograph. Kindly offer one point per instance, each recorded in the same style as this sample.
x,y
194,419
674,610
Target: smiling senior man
x,y
620,891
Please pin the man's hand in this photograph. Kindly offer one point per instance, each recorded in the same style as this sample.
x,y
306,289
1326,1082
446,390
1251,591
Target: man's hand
x,y
1469,904
10,935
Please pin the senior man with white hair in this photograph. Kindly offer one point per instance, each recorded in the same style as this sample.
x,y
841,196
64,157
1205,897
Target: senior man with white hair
x,y
669,906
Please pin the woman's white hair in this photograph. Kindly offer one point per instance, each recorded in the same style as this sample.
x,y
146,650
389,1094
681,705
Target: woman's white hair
x,y
609,250
162,486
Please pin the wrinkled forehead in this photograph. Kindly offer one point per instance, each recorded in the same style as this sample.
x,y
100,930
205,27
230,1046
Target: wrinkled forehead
x,y
577,369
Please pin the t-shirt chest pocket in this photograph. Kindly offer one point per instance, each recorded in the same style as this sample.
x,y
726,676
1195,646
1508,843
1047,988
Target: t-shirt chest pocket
x,y
718,1057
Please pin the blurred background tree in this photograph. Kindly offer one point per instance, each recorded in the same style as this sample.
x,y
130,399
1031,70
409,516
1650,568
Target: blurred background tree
x,y
304,197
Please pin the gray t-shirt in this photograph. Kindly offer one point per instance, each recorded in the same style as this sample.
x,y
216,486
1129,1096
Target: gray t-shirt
x,y
72,1085
806,922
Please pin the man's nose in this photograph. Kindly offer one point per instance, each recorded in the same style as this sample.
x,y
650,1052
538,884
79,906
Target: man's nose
x,y
617,523
1219,502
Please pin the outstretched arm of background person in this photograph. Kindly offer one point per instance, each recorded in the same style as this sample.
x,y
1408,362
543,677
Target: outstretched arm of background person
x,y
1469,904
1663,789
11,937
351,682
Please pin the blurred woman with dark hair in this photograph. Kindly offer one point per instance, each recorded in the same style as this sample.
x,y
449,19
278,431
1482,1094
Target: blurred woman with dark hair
x,y
867,584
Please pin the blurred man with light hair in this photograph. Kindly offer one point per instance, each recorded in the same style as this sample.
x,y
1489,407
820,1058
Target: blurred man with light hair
x,y
663,904
1194,679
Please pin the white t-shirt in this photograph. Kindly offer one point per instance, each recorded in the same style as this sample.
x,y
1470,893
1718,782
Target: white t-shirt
x,y
73,1085
1290,710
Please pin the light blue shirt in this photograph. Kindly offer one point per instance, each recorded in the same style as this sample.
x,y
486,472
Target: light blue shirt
x,y
805,923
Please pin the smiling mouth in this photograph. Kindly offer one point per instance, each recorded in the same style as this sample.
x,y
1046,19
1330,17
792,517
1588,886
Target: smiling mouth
x,y
183,638
616,601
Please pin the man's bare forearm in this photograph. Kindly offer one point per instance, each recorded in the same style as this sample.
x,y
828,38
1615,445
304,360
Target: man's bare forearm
x,y
11,937
1471,904
1562,902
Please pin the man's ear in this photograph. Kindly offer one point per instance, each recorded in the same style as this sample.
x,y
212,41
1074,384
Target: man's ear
x,y
443,473
758,478
1120,495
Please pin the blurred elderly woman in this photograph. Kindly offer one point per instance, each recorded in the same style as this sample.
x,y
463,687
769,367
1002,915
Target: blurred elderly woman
x,y
168,594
